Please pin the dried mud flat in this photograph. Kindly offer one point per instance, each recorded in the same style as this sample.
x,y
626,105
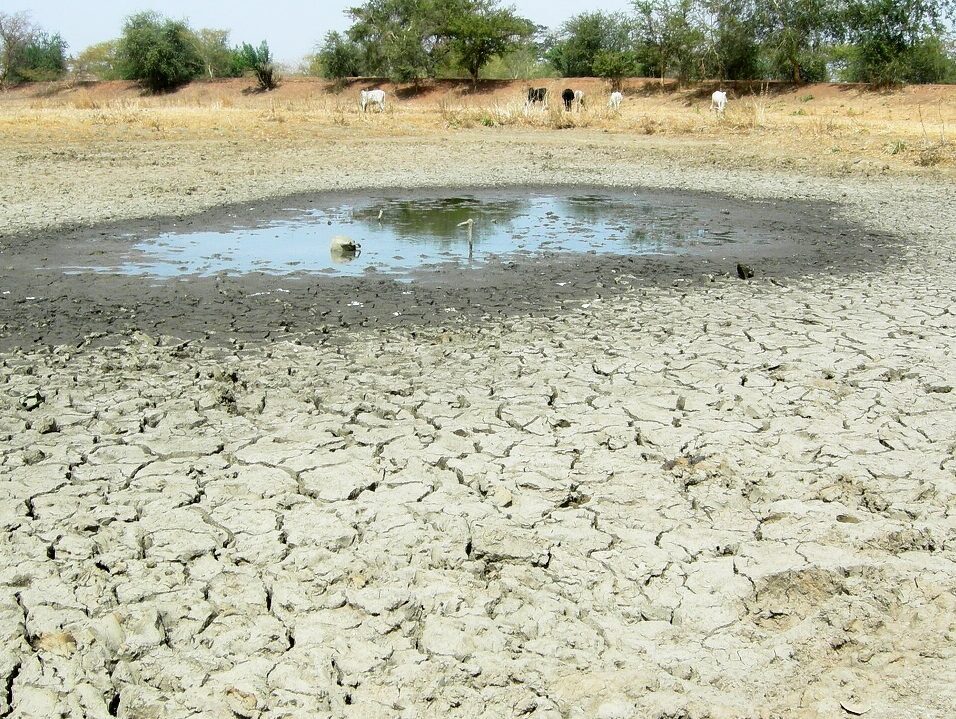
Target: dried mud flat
x,y
682,498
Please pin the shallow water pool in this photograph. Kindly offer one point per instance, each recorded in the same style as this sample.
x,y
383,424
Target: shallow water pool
x,y
399,235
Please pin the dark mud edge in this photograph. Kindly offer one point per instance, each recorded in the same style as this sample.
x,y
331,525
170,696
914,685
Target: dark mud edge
x,y
103,309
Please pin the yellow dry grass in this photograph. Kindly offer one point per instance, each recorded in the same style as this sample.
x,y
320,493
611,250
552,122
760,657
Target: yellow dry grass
x,y
914,127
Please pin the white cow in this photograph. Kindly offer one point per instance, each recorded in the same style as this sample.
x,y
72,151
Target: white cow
x,y
616,99
373,97
579,98
718,102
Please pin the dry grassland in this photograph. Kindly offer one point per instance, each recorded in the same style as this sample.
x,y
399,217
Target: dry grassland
x,y
828,127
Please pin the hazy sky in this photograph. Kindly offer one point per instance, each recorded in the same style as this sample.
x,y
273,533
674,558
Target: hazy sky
x,y
292,27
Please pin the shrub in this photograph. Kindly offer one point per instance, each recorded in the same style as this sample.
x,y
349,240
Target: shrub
x,y
339,58
158,52
259,61
212,47
615,65
28,53
100,61
44,58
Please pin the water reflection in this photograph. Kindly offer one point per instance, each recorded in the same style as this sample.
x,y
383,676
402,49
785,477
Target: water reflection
x,y
399,234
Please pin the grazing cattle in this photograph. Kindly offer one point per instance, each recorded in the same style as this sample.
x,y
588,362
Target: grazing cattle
x,y
718,102
568,97
373,97
536,95
579,98
615,102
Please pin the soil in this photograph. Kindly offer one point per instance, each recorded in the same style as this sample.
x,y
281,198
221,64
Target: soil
x,y
657,491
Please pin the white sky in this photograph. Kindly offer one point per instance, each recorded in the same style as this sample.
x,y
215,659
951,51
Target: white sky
x,y
291,27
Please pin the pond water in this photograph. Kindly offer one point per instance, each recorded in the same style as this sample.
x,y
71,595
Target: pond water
x,y
399,235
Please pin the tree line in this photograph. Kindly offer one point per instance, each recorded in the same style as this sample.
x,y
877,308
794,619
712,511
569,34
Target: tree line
x,y
872,41
154,50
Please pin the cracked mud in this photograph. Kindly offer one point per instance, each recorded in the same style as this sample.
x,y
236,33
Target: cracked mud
x,y
698,497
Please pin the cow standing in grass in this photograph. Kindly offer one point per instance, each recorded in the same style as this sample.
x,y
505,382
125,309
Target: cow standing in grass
x,y
568,97
536,95
718,102
373,97
616,99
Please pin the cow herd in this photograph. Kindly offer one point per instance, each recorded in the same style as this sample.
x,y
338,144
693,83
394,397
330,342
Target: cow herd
x,y
572,99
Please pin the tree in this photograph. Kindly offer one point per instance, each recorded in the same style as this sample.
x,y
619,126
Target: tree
x,y
44,58
259,61
401,39
339,57
16,34
480,29
217,57
158,52
730,50
892,40
27,52
794,34
99,60
668,37
525,61
615,65
584,37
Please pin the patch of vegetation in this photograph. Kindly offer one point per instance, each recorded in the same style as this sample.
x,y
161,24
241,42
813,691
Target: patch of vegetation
x,y
28,53
258,60
158,52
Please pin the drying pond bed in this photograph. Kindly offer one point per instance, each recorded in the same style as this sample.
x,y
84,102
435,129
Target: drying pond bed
x,y
264,270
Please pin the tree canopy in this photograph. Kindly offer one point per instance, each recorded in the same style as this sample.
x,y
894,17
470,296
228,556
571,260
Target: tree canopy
x,y
27,52
158,51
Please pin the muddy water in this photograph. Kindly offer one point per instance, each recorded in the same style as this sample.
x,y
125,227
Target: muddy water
x,y
397,234
259,271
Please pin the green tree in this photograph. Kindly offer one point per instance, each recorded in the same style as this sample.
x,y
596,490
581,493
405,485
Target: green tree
x,y
894,40
932,60
100,61
45,58
615,65
217,57
478,30
584,37
731,50
525,61
669,38
158,52
258,60
339,57
795,35
16,34
401,39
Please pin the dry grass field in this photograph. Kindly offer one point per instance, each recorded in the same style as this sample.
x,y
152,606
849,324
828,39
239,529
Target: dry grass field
x,y
826,126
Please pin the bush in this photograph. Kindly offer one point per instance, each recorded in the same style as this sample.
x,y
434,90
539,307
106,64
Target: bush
x,y
584,38
339,58
893,42
929,61
809,66
44,58
218,59
100,61
615,65
259,61
28,53
158,52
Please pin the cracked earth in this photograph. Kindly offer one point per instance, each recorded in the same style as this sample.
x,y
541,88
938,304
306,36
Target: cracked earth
x,y
728,500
